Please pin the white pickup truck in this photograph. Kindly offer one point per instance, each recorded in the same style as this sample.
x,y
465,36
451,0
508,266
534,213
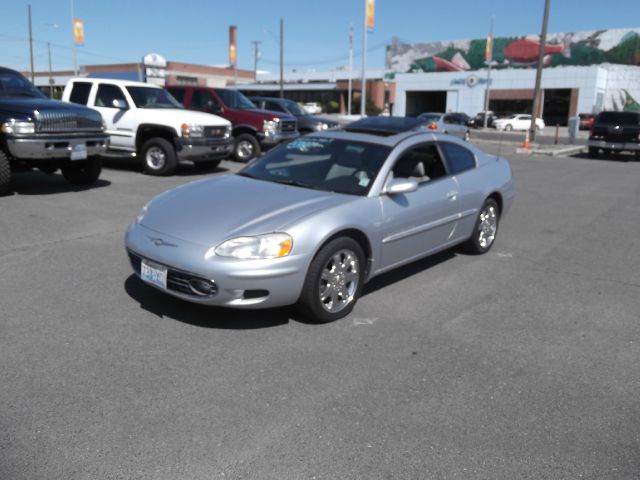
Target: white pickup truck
x,y
145,121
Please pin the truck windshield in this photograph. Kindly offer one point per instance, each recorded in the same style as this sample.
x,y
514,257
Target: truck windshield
x,y
15,85
148,97
295,109
233,99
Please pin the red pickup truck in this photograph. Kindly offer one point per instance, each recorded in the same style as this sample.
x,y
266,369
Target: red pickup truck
x,y
253,129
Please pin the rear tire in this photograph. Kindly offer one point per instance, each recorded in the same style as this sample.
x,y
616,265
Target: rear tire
x,y
246,147
485,229
334,281
5,174
158,157
82,172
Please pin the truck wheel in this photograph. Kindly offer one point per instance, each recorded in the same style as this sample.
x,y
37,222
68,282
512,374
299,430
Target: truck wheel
x,y
83,172
5,174
158,157
246,147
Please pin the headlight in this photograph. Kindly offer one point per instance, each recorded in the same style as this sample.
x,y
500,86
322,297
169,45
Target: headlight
x,y
18,128
192,130
142,213
227,131
271,245
270,126
323,126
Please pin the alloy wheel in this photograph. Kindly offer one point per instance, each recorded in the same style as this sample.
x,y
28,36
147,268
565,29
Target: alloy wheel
x,y
339,281
488,226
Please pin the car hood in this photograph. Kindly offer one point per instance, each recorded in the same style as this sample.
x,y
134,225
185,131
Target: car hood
x,y
28,106
178,116
268,114
312,120
210,211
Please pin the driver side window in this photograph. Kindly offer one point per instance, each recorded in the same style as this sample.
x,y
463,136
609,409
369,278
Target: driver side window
x,y
422,162
106,95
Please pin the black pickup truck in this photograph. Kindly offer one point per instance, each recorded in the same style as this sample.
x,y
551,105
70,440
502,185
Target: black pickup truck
x,y
615,132
36,132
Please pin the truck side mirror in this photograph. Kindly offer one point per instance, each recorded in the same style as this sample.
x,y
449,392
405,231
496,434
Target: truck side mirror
x,y
119,104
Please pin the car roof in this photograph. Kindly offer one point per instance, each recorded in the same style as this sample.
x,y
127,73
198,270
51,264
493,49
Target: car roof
x,y
122,83
385,126
8,70
387,140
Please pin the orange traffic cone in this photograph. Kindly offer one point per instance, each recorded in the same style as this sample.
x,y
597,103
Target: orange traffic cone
x,y
525,144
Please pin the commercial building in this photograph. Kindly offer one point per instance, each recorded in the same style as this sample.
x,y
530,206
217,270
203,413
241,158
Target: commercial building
x,y
584,72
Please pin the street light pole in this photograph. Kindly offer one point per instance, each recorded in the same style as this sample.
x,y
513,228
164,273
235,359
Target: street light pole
x,y
75,52
281,58
487,93
350,69
50,72
537,92
31,45
363,81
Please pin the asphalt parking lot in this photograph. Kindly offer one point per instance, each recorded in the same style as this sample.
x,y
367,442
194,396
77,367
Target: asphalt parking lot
x,y
522,363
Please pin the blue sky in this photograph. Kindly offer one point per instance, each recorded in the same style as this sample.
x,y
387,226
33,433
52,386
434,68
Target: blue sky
x,y
316,32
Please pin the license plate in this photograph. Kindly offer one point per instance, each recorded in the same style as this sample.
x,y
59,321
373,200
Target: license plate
x,y
79,152
154,274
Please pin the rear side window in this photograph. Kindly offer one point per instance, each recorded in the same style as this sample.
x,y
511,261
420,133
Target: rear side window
x,y
458,158
80,93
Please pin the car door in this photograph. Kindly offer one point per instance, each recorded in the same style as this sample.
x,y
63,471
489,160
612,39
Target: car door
x,y
452,126
120,119
423,221
522,122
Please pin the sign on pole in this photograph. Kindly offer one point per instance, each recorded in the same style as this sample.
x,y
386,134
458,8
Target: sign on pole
x,y
78,32
371,9
232,45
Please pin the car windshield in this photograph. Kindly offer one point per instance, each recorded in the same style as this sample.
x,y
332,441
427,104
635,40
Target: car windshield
x,y
430,117
149,97
618,118
320,163
15,85
233,99
295,109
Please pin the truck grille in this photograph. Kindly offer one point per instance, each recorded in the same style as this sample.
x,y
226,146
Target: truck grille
x,y
215,132
54,121
288,126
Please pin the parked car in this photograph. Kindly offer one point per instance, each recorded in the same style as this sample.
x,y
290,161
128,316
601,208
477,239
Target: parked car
x,y
312,220
462,118
615,132
517,122
445,123
478,120
312,108
586,121
254,129
146,122
385,125
36,132
307,123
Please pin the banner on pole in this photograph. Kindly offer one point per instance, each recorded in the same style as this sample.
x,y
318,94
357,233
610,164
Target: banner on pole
x,y
370,14
232,45
488,54
78,31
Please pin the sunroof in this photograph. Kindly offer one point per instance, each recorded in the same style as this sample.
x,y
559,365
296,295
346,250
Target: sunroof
x,y
385,126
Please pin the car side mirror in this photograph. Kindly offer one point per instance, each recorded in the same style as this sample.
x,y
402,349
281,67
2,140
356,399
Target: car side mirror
x,y
398,186
119,104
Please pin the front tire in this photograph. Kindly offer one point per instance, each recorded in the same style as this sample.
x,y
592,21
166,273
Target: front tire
x,y
334,281
508,127
82,172
5,174
158,157
485,229
246,147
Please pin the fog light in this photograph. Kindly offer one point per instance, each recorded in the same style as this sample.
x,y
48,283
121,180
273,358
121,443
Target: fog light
x,y
201,287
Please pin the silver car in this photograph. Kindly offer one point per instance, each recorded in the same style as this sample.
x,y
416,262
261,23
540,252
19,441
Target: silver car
x,y
311,221
450,123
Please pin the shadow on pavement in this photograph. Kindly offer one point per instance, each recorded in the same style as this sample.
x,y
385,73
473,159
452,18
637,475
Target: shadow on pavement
x,y
184,169
608,157
37,183
204,316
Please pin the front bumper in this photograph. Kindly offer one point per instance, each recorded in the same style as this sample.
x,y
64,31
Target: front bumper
x,y
195,149
55,146
631,146
276,138
239,283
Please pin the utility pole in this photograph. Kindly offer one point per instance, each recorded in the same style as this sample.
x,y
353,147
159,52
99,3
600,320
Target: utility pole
x,y
31,45
75,52
350,68
363,81
281,58
50,72
537,92
256,56
489,58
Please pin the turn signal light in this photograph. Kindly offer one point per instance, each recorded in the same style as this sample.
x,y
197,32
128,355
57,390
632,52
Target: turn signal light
x,y
433,126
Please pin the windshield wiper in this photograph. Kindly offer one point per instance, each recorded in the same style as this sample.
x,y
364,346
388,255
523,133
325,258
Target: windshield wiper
x,y
295,183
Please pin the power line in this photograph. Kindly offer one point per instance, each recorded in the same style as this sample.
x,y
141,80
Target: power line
x,y
327,61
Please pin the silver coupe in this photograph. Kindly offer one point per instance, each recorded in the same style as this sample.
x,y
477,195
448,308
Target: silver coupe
x,y
311,221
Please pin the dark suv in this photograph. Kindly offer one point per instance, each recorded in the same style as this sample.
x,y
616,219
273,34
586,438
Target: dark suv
x,y
47,134
307,123
253,129
615,132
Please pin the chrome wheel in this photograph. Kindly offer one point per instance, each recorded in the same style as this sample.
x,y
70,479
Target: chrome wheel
x,y
488,226
244,150
339,281
155,158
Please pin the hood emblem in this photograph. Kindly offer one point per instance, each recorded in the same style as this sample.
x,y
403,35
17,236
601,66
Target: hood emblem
x,y
158,242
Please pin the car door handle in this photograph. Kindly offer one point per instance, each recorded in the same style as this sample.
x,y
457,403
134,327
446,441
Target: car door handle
x,y
452,195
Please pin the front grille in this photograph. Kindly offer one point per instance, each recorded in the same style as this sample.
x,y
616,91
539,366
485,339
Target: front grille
x,y
177,280
288,126
215,132
54,121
